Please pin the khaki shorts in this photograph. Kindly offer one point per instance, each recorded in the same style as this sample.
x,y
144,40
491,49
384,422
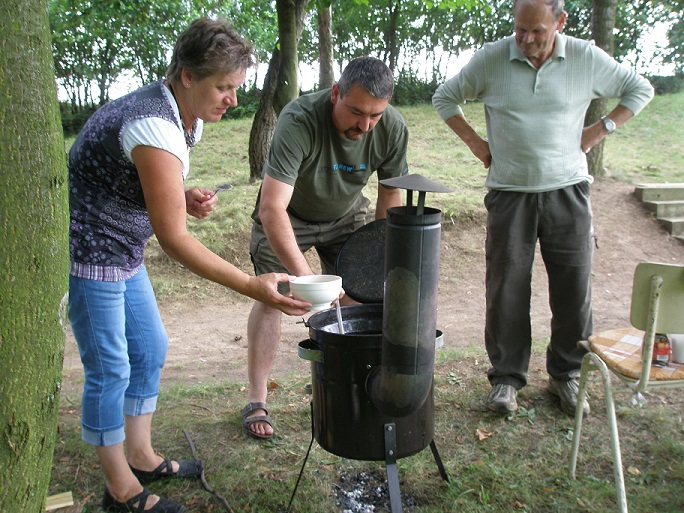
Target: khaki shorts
x,y
326,237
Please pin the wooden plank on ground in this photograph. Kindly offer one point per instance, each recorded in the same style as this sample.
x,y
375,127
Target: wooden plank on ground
x,y
61,500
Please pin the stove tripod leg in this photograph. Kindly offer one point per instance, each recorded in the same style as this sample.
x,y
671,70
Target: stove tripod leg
x,y
438,459
391,465
304,462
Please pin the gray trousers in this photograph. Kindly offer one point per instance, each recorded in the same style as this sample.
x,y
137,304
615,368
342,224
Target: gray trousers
x,y
561,221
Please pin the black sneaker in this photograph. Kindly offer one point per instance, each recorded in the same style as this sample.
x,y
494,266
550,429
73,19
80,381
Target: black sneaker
x,y
502,398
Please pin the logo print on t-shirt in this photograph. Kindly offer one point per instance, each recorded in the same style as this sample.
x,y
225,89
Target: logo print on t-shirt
x,y
346,168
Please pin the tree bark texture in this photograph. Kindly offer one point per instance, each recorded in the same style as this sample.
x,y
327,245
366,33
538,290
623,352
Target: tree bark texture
x,y
287,84
326,76
34,256
283,72
264,121
391,42
602,24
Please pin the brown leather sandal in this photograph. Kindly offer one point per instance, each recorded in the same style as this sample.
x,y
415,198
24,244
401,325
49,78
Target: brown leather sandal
x,y
248,420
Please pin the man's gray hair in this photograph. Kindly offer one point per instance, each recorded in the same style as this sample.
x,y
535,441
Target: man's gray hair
x,y
557,6
370,73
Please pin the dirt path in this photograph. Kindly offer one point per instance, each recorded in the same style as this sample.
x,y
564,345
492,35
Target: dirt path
x,y
208,338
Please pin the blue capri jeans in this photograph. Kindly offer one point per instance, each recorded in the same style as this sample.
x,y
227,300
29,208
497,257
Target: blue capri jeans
x,y
123,346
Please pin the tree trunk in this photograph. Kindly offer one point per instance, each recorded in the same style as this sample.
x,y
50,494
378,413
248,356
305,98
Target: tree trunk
x,y
287,84
326,77
392,44
34,256
264,121
602,24
282,80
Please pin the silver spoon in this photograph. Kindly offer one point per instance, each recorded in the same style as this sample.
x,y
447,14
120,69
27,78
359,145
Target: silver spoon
x,y
223,187
339,317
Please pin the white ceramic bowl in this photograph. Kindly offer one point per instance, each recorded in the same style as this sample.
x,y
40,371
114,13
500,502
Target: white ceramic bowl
x,y
319,289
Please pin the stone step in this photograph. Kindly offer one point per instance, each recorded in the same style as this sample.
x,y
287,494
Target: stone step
x,y
664,209
660,192
666,200
674,225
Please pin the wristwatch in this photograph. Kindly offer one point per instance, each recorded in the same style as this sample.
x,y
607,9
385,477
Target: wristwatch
x,y
609,124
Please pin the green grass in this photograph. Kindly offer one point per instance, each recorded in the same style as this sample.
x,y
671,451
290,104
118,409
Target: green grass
x,y
522,466
650,147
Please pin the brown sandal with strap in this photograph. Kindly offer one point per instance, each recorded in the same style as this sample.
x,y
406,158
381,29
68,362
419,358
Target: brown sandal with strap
x,y
248,420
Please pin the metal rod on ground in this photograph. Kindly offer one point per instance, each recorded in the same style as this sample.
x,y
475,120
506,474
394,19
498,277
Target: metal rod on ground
x,y
204,481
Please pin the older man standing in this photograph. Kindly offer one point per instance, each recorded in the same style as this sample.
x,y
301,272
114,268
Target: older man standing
x,y
536,86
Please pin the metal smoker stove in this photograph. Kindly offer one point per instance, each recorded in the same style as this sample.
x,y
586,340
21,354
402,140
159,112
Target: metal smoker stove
x,y
372,380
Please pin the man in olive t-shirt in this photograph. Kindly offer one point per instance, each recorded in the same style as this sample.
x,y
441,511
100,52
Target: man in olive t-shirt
x,y
325,147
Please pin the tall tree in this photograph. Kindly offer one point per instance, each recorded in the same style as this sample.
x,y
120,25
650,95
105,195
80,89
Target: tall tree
x,y
392,44
602,24
34,261
326,76
674,54
281,84
289,30
264,121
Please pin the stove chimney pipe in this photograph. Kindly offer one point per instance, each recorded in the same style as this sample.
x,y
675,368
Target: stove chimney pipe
x,y
403,381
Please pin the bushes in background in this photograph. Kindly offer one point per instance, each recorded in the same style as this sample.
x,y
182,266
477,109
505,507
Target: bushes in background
x,y
667,85
408,90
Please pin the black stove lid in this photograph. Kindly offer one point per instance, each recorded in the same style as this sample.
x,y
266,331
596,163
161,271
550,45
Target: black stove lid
x,y
361,263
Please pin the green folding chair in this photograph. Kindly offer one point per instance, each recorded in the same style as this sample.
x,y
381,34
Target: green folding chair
x,y
657,307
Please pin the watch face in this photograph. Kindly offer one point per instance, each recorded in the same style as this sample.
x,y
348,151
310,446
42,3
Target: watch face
x,y
609,124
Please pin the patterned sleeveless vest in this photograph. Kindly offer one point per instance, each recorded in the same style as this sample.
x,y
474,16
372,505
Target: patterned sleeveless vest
x,y
109,224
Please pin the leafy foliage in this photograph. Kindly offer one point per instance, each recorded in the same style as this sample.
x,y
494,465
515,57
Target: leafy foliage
x,y
411,90
97,41
667,85
632,20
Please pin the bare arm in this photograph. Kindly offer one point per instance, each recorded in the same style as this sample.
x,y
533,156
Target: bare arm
x,y
596,132
166,200
478,146
387,198
275,197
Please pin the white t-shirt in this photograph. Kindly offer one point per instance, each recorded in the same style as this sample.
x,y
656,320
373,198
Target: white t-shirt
x,y
159,133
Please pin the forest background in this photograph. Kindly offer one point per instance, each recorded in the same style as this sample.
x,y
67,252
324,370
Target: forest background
x,y
98,44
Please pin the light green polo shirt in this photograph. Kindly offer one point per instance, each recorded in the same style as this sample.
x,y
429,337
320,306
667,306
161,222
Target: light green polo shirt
x,y
327,171
535,117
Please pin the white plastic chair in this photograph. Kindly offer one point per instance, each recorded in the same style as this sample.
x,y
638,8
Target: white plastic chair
x,y
657,306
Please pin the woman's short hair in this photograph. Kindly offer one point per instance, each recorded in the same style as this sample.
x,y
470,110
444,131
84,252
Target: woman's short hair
x,y
370,73
210,46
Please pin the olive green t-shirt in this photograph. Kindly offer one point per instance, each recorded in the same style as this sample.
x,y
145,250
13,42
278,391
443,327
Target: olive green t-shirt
x,y
327,171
